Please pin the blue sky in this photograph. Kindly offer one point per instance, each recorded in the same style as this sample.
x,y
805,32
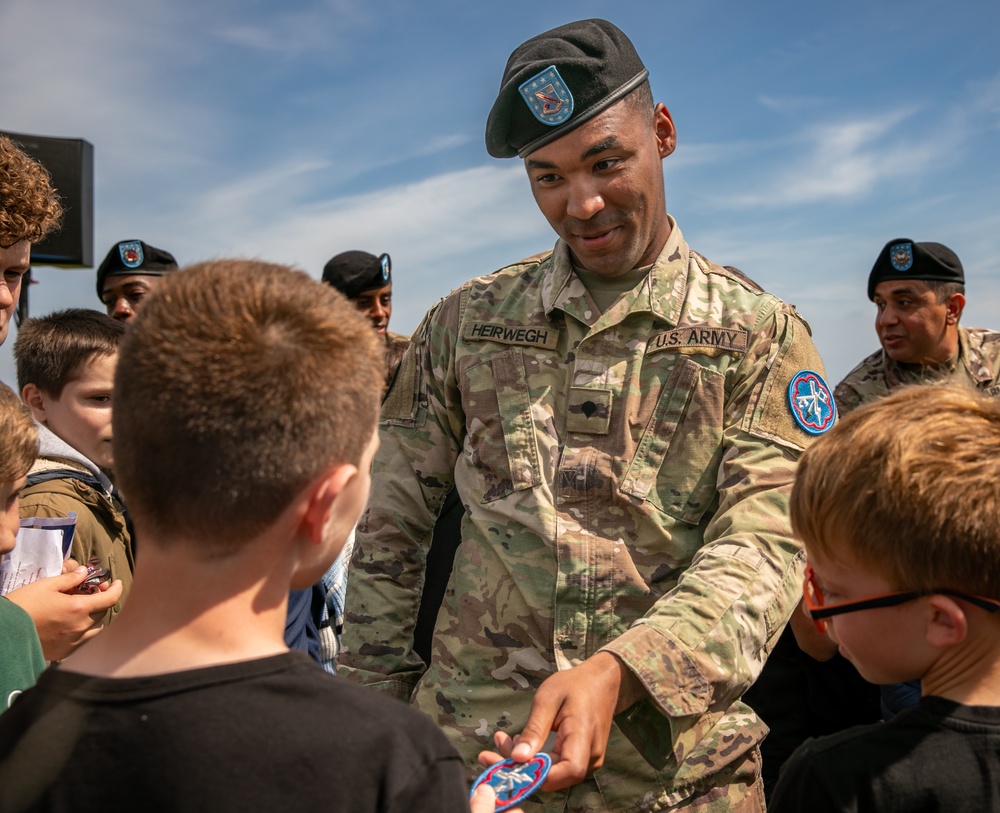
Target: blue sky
x,y
809,134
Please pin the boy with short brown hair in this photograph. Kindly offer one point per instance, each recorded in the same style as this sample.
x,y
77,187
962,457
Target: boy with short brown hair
x,y
246,400
65,370
899,510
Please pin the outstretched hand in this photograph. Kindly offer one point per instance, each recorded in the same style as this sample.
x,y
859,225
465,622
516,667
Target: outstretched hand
x,y
63,618
578,704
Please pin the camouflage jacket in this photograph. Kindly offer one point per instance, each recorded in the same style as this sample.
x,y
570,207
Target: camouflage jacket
x,y
878,375
626,479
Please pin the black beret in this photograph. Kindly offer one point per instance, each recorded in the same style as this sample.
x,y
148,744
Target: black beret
x,y
558,80
355,272
904,259
134,257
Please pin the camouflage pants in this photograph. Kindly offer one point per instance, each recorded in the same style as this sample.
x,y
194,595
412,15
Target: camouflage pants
x,y
737,789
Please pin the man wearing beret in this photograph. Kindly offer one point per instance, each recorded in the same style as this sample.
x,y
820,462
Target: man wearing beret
x,y
622,420
128,274
367,281
919,293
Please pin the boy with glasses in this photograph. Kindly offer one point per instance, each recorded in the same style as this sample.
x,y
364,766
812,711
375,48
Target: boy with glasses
x,y
899,510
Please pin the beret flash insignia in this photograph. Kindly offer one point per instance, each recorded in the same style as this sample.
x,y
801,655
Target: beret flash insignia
x,y
131,253
548,97
901,256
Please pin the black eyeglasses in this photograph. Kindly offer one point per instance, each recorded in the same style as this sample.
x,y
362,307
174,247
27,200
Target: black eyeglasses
x,y
818,611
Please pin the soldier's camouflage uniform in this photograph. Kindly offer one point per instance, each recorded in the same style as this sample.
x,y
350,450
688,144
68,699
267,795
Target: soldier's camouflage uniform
x,y
626,478
976,367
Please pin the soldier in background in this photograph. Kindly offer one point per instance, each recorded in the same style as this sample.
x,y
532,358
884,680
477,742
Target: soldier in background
x,y
130,272
622,420
367,281
919,293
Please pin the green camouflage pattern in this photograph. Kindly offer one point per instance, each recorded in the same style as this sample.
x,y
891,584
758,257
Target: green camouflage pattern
x,y
626,478
876,376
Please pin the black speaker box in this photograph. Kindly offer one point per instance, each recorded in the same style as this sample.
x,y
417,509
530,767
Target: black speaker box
x,y
71,164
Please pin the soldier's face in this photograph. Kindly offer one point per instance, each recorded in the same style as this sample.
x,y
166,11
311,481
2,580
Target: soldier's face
x,y
912,326
123,295
600,186
377,306
14,262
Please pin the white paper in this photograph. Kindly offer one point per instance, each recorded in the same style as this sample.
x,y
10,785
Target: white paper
x,y
41,546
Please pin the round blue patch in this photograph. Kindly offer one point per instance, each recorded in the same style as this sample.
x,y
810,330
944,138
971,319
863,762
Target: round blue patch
x,y
812,402
514,781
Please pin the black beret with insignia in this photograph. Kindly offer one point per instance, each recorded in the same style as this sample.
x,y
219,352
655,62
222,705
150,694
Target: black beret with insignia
x,y
134,257
355,272
904,259
558,80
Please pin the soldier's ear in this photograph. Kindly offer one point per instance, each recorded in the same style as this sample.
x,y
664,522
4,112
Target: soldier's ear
x,y
955,305
666,133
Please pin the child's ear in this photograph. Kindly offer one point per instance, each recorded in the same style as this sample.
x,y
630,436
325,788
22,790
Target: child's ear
x,y
323,493
35,399
947,625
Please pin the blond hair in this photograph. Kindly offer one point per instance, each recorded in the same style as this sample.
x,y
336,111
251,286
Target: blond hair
x,y
910,486
18,437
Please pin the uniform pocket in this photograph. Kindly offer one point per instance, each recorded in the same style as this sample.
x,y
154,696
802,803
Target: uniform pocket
x,y
500,437
675,466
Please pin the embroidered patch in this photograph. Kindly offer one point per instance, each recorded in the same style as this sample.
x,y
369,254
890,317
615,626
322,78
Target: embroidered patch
x,y
548,97
811,402
698,338
384,262
131,253
901,256
514,781
512,334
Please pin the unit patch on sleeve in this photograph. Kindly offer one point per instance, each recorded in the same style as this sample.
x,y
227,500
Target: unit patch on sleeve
x,y
811,402
514,781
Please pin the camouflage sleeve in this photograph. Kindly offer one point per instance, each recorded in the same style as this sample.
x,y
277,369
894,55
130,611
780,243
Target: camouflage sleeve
x,y
847,397
420,424
703,643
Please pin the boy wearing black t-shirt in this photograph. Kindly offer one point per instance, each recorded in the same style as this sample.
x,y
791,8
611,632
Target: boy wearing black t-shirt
x,y
899,509
245,400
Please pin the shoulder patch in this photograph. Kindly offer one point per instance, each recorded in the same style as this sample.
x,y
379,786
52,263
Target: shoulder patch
x,y
811,402
527,335
514,781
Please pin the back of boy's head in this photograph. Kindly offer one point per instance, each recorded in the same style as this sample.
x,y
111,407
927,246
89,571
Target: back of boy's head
x,y
29,206
239,384
52,350
909,486
18,437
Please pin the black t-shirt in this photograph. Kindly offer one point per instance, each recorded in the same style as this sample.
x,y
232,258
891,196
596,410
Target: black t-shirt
x,y
940,756
272,734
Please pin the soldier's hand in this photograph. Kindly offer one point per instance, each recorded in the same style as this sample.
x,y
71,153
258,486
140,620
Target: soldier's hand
x,y
63,618
578,705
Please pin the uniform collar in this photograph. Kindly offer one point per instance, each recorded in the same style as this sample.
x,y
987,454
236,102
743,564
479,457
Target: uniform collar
x,y
662,293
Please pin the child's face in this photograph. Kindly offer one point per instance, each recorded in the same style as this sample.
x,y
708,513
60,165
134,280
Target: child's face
x,y
882,642
11,519
81,415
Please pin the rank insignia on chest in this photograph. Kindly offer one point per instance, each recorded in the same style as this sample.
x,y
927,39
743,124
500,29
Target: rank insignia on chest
x,y
811,402
548,97
514,781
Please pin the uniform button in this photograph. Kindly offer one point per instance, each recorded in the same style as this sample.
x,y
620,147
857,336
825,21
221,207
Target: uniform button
x,y
593,801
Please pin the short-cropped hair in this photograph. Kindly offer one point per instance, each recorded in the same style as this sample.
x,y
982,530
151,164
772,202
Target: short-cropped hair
x,y
909,486
29,206
18,437
52,350
239,384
